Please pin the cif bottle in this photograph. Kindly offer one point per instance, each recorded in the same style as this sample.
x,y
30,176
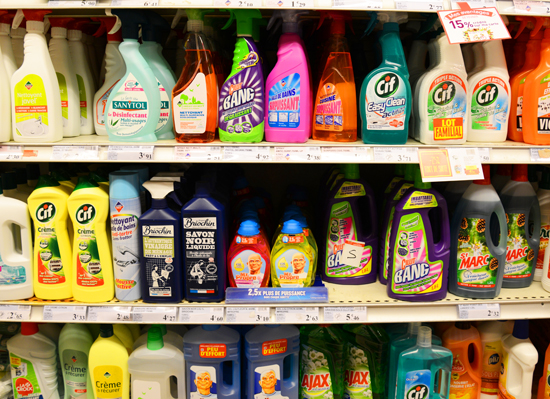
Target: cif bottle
x,y
543,259
272,361
479,266
386,98
522,208
75,342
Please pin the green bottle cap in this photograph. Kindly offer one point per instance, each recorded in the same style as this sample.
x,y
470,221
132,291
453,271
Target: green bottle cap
x,y
154,339
61,175
245,21
418,183
351,171
46,181
85,182
410,171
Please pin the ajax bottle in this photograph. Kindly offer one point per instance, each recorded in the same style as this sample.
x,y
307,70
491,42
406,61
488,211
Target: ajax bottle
x,y
75,342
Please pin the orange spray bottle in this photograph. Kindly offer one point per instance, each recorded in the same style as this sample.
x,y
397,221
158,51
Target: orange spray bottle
x,y
335,111
532,58
519,52
544,382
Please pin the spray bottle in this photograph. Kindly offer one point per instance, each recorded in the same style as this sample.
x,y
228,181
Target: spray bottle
x,y
6,71
6,43
18,33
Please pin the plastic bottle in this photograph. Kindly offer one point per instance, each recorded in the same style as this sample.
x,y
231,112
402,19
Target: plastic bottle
x,y
479,58
243,91
289,94
468,56
133,107
124,334
17,40
75,342
489,90
479,262
161,257
36,78
521,206
419,366
143,173
5,79
453,193
419,245
125,209
52,247
6,44
108,365
399,174
519,51
386,98
518,364
544,381
168,336
92,261
416,63
33,363
543,258
502,177
212,362
33,173
351,226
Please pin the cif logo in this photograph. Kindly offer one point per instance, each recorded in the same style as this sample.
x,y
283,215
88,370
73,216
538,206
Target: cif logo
x,y
494,359
85,214
487,94
387,85
419,391
444,93
45,212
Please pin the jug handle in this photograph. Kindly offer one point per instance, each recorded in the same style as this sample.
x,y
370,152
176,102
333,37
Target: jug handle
x,y
478,356
7,247
288,382
501,249
373,218
533,242
444,242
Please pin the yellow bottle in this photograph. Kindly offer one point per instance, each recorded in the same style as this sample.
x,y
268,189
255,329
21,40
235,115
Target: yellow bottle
x,y
124,334
108,365
134,329
92,260
52,246
67,184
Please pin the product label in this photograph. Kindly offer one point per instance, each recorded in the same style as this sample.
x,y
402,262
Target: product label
x,y
544,239
502,391
164,108
447,108
203,383
267,382
519,106
284,102
462,384
108,381
350,189
159,253
128,112
314,375
75,369
543,113
31,107
24,378
89,272
490,372
190,107
520,258
292,266
392,184
475,264
125,214
12,275
274,347
329,113
201,239
490,102
49,265
64,96
83,103
385,102
357,379
145,389
101,105
417,384
212,351
248,268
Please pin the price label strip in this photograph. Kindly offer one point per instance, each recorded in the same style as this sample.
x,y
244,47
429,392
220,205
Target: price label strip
x,y
532,7
297,315
200,315
75,152
247,315
474,3
297,154
64,313
130,152
110,313
394,155
540,155
290,4
238,3
479,311
450,164
198,153
136,3
358,5
11,152
72,3
484,155
157,314
15,312
419,5
345,154
251,154
341,314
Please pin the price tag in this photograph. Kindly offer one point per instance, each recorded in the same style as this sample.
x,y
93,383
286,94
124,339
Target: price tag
x,y
247,315
64,313
479,311
157,314
297,315
535,7
72,3
474,3
473,25
540,155
75,152
199,315
297,154
252,154
352,253
137,3
198,153
419,5
484,155
11,152
360,5
130,152
238,3
345,154
449,164
394,154
15,312
290,4
110,313
340,314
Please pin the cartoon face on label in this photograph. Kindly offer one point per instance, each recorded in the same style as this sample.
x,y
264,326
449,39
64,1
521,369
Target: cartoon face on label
x,y
203,382
267,382
248,269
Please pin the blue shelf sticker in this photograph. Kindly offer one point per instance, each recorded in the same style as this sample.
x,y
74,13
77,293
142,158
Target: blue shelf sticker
x,y
315,294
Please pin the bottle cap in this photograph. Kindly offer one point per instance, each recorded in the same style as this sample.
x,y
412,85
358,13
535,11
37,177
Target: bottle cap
x,y
33,171
75,28
106,330
59,26
545,180
249,228
5,21
154,339
303,221
123,185
410,170
107,24
29,328
463,325
210,327
156,29
418,183
504,170
414,326
486,176
162,327
98,178
9,181
521,329
85,182
21,176
424,337
292,227
245,20
46,181
61,175
131,20
351,171
520,173
34,18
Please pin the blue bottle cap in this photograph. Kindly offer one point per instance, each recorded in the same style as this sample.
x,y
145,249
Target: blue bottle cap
x,y
124,184
521,329
250,215
240,183
292,214
292,227
249,228
143,172
303,221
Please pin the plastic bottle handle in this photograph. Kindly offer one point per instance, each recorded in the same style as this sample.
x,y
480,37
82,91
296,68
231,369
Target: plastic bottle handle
x,y
373,225
501,249
478,357
7,246
444,243
531,240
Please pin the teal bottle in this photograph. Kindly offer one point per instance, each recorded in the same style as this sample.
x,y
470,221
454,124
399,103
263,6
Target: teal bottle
x,y
424,371
386,98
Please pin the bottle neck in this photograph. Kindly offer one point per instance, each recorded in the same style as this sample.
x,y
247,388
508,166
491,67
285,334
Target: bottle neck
x,y
392,50
494,54
532,55
479,55
417,56
159,203
450,54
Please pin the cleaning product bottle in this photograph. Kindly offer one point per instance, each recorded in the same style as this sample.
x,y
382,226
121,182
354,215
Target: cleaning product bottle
x,y
289,94
419,367
33,364
195,95
17,41
419,245
249,249
502,177
36,102
416,63
241,102
6,44
453,193
518,363
75,342
108,365
161,257
52,247
272,357
92,262
489,90
115,68
5,79
143,173
386,98
543,258
522,208
125,209
124,334
399,174
212,362
64,179
33,173
335,109
22,186
479,266
133,107
544,381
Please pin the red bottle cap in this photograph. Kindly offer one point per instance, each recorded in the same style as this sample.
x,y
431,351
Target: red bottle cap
x,y
36,15
519,173
107,24
486,176
29,328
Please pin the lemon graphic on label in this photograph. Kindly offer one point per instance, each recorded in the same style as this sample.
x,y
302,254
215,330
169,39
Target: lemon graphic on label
x,y
239,265
282,264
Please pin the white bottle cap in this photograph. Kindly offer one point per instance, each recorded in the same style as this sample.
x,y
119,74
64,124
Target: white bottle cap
x,y
73,34
4,29
424,337
59,32
35,26
18,33
414,326
194,25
